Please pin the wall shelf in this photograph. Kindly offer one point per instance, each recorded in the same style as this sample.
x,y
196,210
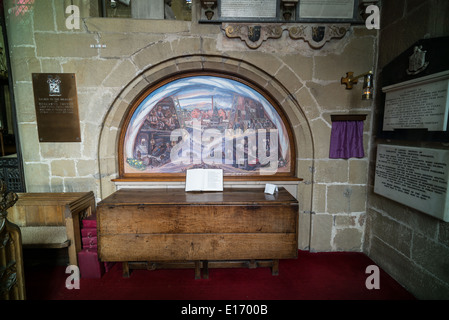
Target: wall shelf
x,y
348,117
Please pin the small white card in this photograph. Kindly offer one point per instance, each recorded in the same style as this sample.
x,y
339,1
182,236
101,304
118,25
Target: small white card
x,y
271,188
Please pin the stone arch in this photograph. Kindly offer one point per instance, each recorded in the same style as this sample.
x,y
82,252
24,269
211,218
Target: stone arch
x,y
111,128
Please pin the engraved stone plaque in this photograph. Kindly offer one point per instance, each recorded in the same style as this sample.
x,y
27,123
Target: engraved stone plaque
x,y
56,103
418,104
326,9
248,8
416,177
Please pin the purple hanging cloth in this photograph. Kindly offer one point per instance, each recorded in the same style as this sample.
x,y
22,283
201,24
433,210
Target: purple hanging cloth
x,y
346,140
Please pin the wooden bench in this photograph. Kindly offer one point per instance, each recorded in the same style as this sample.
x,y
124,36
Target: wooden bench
x,y
52,220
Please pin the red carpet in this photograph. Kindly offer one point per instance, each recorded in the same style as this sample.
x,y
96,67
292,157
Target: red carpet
x,y
313,276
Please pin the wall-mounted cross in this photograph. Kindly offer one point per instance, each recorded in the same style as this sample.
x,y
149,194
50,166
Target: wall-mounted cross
x,y
349,80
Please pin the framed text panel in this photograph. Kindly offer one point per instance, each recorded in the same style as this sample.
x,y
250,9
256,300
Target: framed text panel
x,y
252,9
327,9
416,177
418,104
414,100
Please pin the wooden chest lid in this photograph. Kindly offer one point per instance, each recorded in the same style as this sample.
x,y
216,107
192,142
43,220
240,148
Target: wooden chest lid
x,y
243,196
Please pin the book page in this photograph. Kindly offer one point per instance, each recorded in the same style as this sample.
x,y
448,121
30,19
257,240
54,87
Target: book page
x,y
214,180
194,180
204,180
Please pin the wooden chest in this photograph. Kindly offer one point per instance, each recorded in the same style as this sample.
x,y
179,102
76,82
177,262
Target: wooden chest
x,y
174,225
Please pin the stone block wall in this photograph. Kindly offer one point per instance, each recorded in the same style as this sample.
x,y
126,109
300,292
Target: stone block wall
x,y
134,54
410,245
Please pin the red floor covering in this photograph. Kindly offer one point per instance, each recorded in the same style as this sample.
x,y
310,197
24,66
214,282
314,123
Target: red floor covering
x,y
313,276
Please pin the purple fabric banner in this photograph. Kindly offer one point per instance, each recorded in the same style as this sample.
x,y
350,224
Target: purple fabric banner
x,y
346,140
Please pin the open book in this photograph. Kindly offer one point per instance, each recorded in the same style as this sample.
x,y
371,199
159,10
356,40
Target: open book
x,y
204,180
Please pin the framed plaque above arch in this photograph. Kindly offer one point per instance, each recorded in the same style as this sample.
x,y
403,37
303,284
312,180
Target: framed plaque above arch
x,y
206,120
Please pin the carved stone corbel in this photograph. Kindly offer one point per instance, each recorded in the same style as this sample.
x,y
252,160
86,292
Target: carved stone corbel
x,y
316,35
253,35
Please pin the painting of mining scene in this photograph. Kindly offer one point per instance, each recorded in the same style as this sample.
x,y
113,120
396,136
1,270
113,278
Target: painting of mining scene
x,y
206,122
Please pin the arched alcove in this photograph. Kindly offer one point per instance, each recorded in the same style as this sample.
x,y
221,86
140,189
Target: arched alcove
x,y
153,77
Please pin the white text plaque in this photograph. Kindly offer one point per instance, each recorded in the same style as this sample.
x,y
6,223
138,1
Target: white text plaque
x,y
417,106
248,9
416,177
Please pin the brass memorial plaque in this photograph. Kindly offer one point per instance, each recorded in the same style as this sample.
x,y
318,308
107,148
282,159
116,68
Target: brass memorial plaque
x,y
56,102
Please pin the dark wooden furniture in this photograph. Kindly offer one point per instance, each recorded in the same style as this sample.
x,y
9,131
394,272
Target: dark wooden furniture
x,y
12,275
52,220
152,227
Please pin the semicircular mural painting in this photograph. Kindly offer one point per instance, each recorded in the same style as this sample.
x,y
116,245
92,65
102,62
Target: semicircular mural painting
x,y
206,122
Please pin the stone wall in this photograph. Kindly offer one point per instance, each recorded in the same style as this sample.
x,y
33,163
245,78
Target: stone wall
x,y
133,54
409,245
